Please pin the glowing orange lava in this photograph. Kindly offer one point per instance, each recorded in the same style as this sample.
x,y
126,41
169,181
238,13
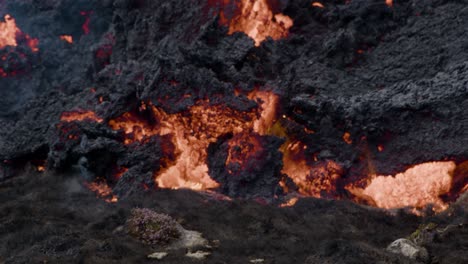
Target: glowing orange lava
x,y
317,4
192,132
243,147
389,2
464,189
256,19
80,115
417,187
318,180
103,191
290,202
120,172
347,138
67,38
9,32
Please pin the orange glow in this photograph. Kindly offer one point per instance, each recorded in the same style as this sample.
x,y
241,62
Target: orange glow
x,y
464,189
242,147
32,43
120,172
318,180
347,138
102,191
380,148
256,19
389,2
317,4
192,132
290,202
417,187
80,115
9,32
40,168
67,38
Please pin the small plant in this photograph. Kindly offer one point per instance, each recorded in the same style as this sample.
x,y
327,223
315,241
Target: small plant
x,y
152,228
423,234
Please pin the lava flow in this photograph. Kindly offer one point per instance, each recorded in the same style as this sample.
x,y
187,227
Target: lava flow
x,y
67,38
192,132
103,191
317,180
80,115
10,33
256,19
244,150
417,187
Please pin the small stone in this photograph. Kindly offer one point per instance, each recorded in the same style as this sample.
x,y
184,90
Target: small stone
x,y
257,260
200,255
157,255
119,229
409,249
188,239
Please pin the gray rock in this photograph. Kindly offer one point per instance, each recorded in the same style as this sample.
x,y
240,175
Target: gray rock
x,y
409,249
188,239
157,255
200,255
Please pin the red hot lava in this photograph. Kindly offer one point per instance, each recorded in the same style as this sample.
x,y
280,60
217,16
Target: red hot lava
x,y
418,187
244,150
67,38
255,18
192,131
10,34
191,134
80,115
103,191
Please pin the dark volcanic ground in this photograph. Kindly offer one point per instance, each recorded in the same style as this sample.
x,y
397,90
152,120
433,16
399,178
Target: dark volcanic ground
x,y
396,76
52,219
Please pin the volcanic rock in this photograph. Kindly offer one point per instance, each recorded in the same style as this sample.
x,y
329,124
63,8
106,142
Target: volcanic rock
x,y
199,255
157,255
188,239
409,249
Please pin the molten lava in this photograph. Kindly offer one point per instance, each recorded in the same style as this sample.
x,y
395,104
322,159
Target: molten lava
x,y
317,4
244,150
102,191
67,38
290,202
347,138
256,19
10,33
317,180
193,131
80,115
417,187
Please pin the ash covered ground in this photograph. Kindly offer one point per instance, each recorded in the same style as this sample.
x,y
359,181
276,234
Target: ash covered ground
x,y
395,77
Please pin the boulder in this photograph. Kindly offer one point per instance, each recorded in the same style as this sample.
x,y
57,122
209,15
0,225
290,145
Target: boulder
x,y
409,249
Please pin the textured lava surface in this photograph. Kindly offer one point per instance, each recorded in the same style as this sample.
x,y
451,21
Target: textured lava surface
x,y
393,77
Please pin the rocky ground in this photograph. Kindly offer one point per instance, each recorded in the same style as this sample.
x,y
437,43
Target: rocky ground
x,y
53,219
